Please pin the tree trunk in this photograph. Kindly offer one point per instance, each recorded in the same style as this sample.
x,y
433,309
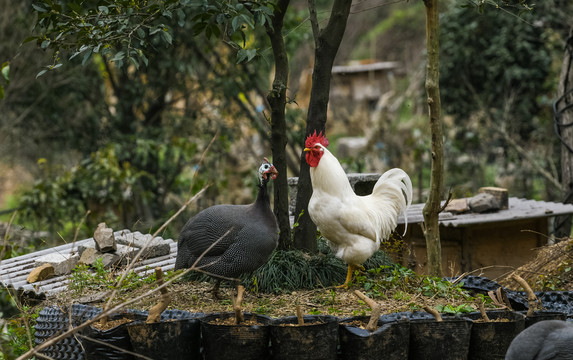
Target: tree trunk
x,y
326,43
277,100
563,126
433,204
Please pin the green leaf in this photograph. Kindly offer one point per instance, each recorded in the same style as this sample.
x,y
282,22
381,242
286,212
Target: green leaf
x,y
6,71
29,38
39,8
87,56
41,73
167,37
45,44
118,56
103,9
236,23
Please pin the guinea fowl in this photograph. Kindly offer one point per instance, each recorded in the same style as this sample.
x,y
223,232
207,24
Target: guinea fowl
x,y
544,340
232,239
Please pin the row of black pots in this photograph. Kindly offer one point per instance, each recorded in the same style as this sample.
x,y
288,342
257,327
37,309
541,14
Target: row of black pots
x,y
398,336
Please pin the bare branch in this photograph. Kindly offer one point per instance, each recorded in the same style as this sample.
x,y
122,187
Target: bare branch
x,y
313,19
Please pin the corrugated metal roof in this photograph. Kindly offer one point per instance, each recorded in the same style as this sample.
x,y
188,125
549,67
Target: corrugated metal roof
x,y
518,209
15,271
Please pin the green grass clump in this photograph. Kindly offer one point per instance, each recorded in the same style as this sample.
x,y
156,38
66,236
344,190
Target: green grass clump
x,y
290,270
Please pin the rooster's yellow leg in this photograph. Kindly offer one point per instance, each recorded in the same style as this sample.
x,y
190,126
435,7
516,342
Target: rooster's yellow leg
x,y
349,274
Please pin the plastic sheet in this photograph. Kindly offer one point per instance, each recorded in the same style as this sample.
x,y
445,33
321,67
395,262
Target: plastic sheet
x,y
221,342
433,340
490,340
390,341
316,340
166,340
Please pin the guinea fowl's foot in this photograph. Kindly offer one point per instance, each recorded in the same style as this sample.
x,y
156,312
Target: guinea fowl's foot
x,y
215,290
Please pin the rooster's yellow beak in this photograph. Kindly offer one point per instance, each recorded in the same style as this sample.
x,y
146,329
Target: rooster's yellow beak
x,y
307,149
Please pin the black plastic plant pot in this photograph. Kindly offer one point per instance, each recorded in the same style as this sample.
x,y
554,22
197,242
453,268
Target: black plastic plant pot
x,y
490,340
166,340
542,315
96,342
389,341
315,340
439,340
249,340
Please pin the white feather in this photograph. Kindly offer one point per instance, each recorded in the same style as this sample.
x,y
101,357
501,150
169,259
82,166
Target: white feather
x,y
356,225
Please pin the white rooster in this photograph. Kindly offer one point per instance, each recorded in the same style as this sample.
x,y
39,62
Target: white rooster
x,y
353,225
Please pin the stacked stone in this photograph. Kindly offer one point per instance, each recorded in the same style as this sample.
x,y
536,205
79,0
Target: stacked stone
x,y
114,250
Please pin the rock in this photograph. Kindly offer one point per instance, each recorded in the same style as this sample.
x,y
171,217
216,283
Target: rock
x,y
62,263
94,298
110,260
500,194
89,255
153,246
104,239
126,252
40,273
458,206
483,202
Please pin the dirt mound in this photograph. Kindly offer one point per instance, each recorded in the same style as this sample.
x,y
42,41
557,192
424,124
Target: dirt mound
x,y
552,269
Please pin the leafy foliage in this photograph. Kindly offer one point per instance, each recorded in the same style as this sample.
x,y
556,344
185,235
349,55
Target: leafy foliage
x,y
402,284
113,183
494,71
122,31
86,277
18,334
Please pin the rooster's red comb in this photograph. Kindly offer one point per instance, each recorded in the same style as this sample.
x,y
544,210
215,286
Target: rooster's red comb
x,y
313,139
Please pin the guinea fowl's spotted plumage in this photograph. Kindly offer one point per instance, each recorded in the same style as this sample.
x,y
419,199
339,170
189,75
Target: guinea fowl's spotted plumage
x,y
248,235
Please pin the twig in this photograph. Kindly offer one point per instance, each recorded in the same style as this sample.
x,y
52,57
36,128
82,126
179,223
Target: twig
x,y
482,310
155,312
299,316
433,312
140,252
374,315
239,318
531,298
183,207
108,309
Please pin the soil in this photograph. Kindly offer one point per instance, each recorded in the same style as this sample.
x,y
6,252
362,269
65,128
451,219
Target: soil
x,y
230,321
492,320
357,324
110,324
196,297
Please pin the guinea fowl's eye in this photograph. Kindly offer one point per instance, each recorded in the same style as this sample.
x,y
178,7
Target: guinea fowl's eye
x,y
266,166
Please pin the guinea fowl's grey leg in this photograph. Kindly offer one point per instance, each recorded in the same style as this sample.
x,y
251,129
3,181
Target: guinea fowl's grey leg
x,y
215,289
